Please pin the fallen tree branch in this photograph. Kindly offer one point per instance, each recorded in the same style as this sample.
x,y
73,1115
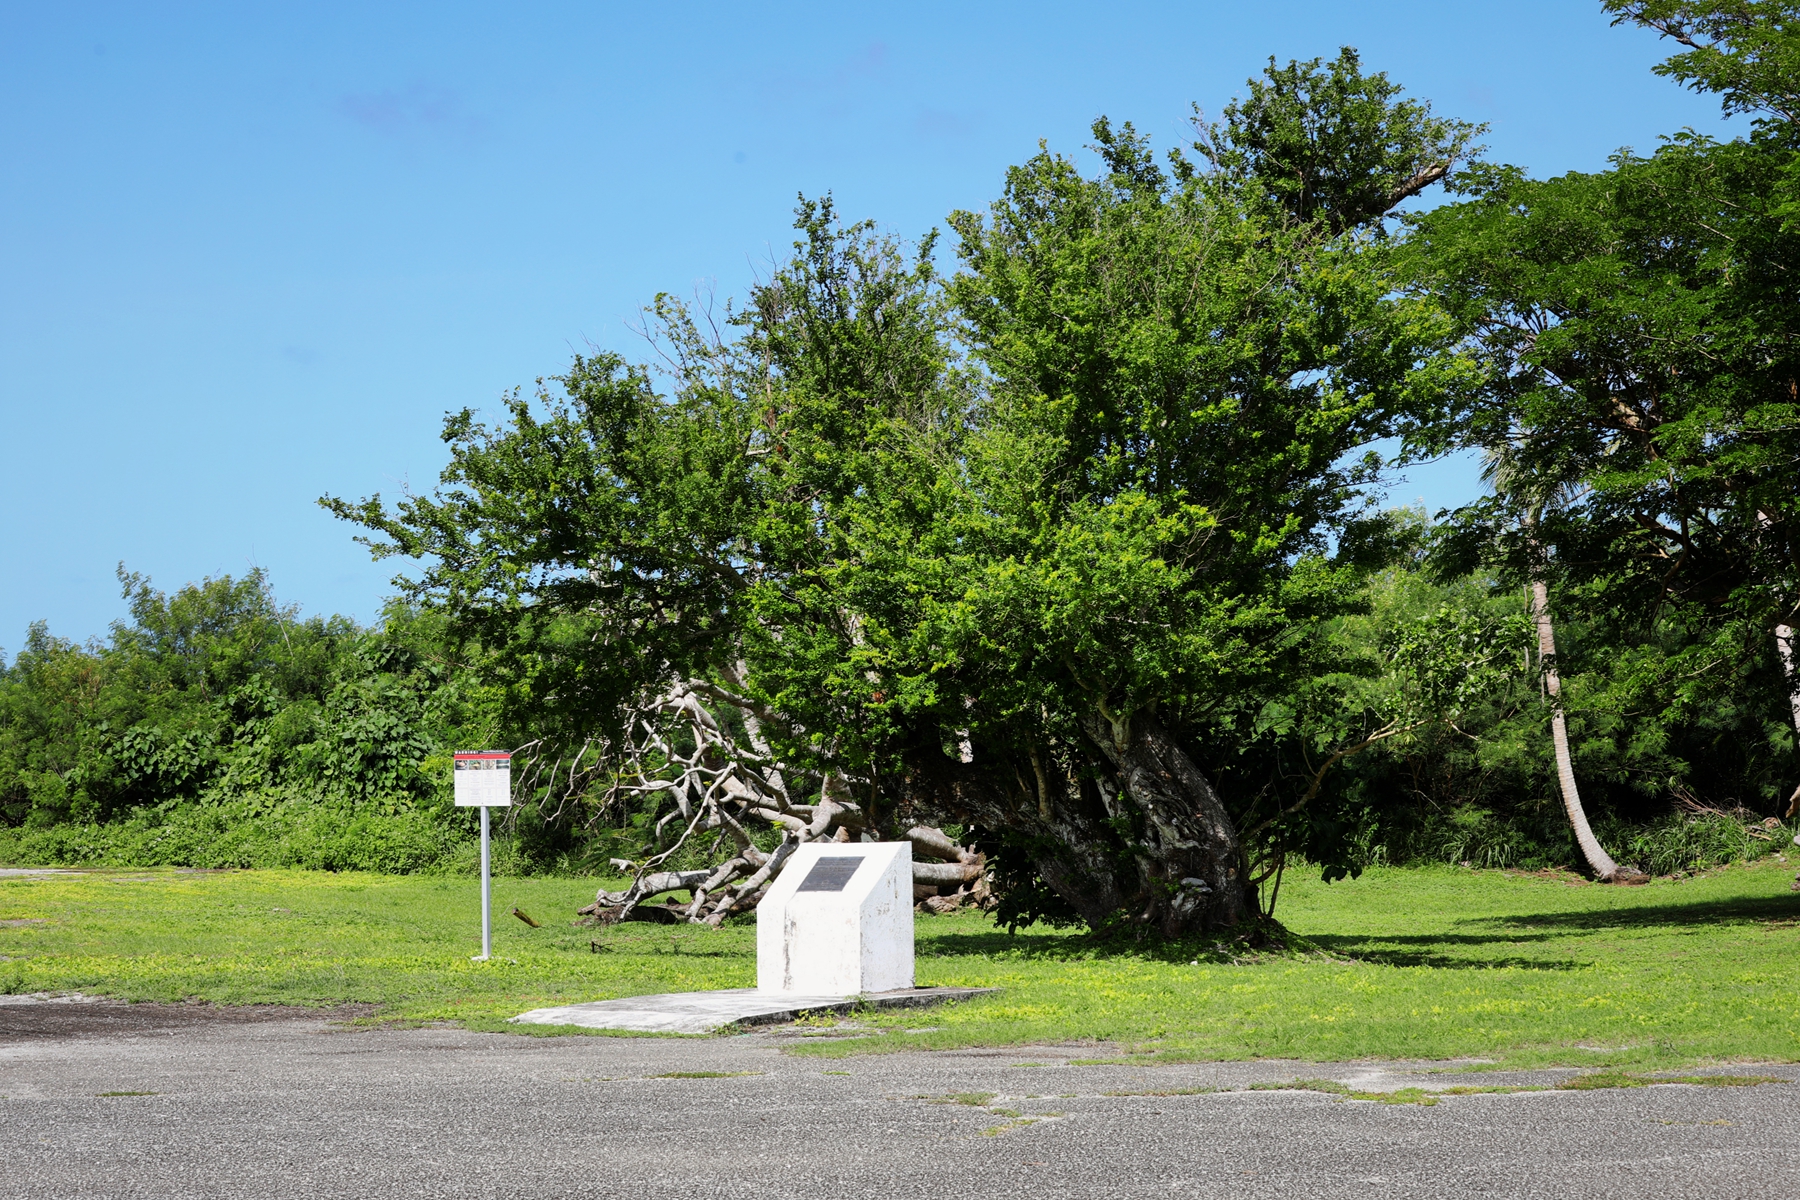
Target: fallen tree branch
x,y
682,759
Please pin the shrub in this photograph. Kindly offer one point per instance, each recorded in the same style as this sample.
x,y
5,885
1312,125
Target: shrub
x,y
292,833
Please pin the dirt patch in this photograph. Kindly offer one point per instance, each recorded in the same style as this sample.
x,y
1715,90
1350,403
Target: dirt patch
x,y
52,1019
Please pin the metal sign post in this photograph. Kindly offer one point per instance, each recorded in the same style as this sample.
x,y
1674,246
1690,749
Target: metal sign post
x,y
487,894
483,779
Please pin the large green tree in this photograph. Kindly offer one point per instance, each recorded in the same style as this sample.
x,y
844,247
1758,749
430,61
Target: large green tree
x,y
1639,329
656,578
1182,363
1047,551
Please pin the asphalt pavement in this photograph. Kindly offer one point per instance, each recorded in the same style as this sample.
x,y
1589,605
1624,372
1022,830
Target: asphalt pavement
x,y
108,1100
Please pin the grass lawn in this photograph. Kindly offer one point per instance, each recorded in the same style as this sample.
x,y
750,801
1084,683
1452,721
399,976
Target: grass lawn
x,y
1433,963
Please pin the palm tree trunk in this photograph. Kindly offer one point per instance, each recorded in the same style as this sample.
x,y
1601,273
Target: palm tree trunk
x,y
1784,646
1790,675
1602,863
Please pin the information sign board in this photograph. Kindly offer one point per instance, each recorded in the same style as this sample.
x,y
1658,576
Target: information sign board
x,y
831,873
483,779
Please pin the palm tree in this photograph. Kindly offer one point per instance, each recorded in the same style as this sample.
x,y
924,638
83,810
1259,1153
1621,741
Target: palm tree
x,y
1500,471
1790,672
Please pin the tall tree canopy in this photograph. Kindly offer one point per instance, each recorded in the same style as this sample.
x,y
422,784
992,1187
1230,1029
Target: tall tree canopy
x,y
1046,549
1639,330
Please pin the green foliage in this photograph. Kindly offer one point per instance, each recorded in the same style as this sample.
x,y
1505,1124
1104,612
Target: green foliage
x,y
1148,497
1480,786
1745,51
1691,842
1179,387
1640,347
217,727
1113,470
315,835
1638,330
608,539
1332,145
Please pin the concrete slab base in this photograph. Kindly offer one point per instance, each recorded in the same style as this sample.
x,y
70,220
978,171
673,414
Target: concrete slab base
x,y
703,1012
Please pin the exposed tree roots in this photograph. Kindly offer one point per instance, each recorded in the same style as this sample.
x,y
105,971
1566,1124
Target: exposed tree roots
x,y
704,776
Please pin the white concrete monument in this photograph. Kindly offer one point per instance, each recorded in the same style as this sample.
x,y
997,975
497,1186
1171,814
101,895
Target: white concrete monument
x,y
838,921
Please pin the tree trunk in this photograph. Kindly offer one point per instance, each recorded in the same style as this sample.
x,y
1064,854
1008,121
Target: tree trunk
x,y
1188,865
1790,674
1602,863
1121,824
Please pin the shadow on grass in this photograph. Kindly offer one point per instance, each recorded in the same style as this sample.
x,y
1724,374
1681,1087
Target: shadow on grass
x,y
1396,950
1427,949
1400,951
1385,951
684,943
997,943
1423,950
1746,910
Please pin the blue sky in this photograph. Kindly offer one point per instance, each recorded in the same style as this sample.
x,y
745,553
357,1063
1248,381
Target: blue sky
x,y
252,253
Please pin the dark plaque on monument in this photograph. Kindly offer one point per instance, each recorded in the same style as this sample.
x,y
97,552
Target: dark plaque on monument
x,y
831,874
